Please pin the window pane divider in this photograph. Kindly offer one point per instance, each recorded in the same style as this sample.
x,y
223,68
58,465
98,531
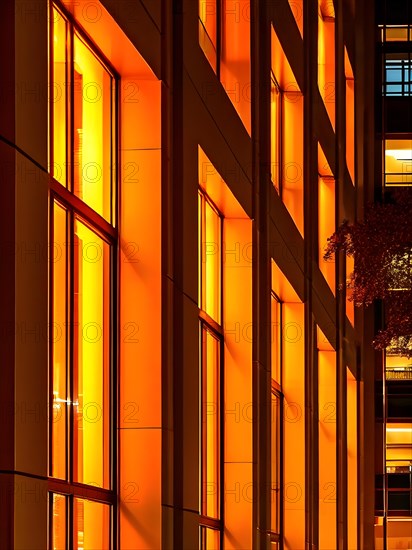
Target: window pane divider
x,y
96,221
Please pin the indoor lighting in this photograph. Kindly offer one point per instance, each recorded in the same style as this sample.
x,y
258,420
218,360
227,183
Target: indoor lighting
x,y
399,154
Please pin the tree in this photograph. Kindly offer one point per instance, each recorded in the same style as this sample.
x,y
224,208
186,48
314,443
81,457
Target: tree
x,y
381,245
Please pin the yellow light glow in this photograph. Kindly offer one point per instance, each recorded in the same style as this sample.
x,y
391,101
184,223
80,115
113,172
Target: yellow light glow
x,y
399,154
91,289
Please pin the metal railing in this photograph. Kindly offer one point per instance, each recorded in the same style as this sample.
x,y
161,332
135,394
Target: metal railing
x,y
399,373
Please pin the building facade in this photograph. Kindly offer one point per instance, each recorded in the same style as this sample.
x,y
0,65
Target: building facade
x,y
393,372
181,368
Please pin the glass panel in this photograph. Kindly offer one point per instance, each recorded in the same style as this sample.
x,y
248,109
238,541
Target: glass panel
x,y
276,455
58,98
396,34
276,340
59,343
210,539
211,260
92,130
91,525
210,424
275,142
208,18
91,357
398,162
59,528
207,30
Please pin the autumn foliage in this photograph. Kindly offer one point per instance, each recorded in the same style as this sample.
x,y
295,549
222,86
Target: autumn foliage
x,y
381,245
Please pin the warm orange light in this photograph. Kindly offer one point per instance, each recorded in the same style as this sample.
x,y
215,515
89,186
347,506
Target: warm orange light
x,y
92,132
326,57
352,459
275,139
208,30
297,9
290,143
210,539
276,449
59,339
91,525
58,97
91,357
326,226
293,389
350,307
59,526
327,449
210,425
235,56
211,249
276,339
350,117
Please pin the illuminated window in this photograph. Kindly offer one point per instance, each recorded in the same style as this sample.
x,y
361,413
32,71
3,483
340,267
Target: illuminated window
x,y
326,57
398,162
83,238
276,135
395,33
286,132
211,371
208,36
397,75
224,36
326,219
276,423
350,117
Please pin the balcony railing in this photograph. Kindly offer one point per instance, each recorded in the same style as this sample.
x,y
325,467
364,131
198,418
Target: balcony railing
x,y
401,373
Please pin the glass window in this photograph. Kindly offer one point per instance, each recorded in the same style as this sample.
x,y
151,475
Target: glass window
x,y
276,484
224,36
210,250
208,30
91,354
91,525
83,105
211,342
275,142
398,162
82,191
397,75
276,419
59,521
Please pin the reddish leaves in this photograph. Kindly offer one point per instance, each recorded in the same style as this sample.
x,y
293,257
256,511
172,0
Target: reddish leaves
x,y
381,245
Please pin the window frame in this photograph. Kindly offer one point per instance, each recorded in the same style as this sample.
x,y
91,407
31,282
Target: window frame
x,y
207,323
277,393
279,133
77,209
218,46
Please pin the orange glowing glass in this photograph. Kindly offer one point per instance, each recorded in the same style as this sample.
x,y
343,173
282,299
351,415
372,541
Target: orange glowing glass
x,y
92,132
91,356
210,429
326,226
275,463
275,139
58,97
91,525
208,30
210,539
276,339
59,343
210,231
59,522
